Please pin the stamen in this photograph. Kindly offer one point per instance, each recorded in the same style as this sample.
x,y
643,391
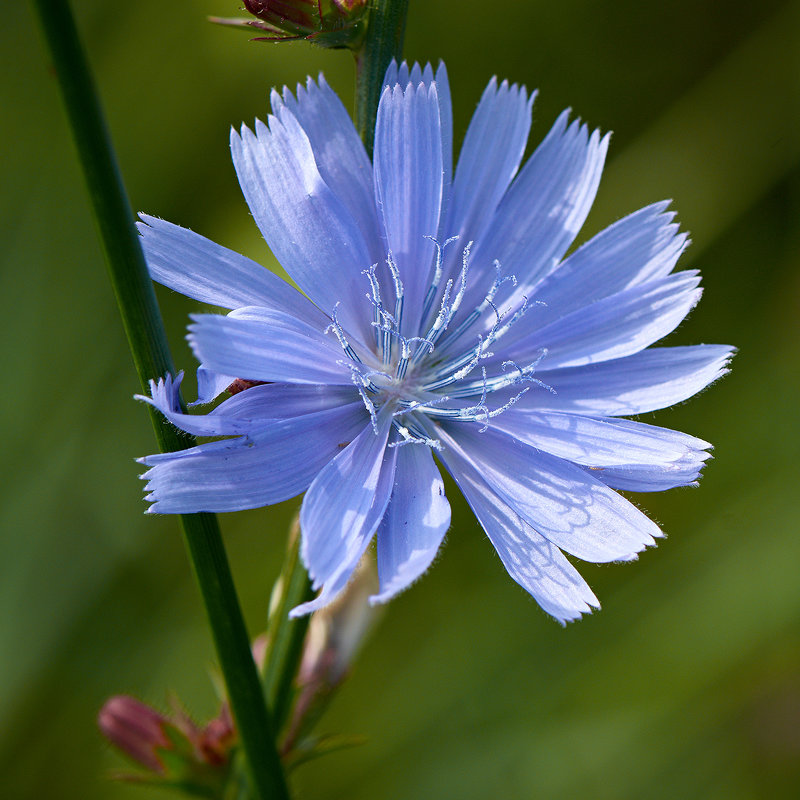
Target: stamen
x,y
413,436
402,366
463,287
358,382
381,341
476,413
437,274
409,406
488,300
340,335
398,289
457,370
503,381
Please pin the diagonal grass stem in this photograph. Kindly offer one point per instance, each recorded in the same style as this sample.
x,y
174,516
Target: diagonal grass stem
x,y
143,326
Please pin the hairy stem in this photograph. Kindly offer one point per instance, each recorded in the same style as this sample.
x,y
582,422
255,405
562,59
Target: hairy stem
x,y
386,25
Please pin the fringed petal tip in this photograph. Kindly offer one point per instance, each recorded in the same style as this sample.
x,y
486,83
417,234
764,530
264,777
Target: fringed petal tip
x,y
402,75
164,393
574,616
579,606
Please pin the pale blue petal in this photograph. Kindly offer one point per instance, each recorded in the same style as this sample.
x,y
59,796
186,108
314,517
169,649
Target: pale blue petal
x,y
310,231
639,248
391,77
210,385
614,327
403,76
342,509
562,502
546,206
601,441
284,400
650,478
267,346
199,268
649,380
269,466
531,560
446,120
165,396
339,153
415,522
489,159
408,187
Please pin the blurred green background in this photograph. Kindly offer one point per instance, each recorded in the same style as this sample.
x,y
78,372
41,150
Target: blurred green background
x,y
686,684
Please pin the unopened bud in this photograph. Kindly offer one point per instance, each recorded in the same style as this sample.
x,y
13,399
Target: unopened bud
x,y
214,741
335,635
336,632
136,729
328,23
174,750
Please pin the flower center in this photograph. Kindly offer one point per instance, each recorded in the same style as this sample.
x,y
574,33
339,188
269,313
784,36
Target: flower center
x,y
439,373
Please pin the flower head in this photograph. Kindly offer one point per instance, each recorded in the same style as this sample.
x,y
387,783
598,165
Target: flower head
x,y
439,321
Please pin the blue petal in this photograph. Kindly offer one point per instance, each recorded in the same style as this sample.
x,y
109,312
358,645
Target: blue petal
x,y
199,268
559,500
269,466
650,477
403,76
602,441
310,231
652,379
165,396
284,400
342,510
415,522
489,159
210,385
546,206
531,560
614,327
639,248
446,120
408,186
338,151
263,345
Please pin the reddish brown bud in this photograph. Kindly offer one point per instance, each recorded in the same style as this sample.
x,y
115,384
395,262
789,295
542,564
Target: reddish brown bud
x,y
328,23
136,729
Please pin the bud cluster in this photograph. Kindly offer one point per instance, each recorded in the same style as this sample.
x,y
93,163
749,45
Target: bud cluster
x,y
328,23
174,750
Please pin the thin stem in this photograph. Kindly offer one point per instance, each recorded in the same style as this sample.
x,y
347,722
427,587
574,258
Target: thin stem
x,y
386,25
148,343
285,637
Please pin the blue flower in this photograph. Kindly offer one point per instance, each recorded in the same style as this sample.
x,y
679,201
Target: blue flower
x,y
439,320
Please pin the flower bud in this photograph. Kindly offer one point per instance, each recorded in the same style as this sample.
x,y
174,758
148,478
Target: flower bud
x,y
136,729
335,635
174,750
336,632
328,23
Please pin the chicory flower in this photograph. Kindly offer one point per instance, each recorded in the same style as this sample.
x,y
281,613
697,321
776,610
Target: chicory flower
x,y
438,321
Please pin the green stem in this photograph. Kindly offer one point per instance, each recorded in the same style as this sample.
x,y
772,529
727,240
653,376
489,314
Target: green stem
x,y
383,41
148,343
286,636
